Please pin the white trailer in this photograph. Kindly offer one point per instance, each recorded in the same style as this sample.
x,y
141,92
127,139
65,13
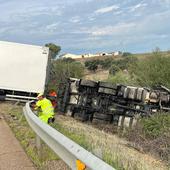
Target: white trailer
x,y
24,70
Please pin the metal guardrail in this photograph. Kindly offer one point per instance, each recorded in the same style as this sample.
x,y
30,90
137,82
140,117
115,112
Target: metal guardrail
x,y
65,148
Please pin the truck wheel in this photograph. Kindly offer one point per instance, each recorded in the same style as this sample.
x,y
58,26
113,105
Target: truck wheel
x,y
2,97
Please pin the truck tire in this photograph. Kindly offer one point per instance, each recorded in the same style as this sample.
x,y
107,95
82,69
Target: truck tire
x,y
88,83
2,97
2,92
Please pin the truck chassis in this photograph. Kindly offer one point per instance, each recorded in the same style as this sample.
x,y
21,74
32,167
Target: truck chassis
x,y
89,100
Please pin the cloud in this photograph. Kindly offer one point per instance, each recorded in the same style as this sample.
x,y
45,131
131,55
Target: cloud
x,y
119,29
140,5
39,10
91,18
164,1
52,27
106,9
78,25
75,19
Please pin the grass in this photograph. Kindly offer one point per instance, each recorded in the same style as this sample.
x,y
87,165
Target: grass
x,y
78,138
113,150
26,136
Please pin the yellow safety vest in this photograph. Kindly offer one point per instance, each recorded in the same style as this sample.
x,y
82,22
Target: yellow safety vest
x,y
46,107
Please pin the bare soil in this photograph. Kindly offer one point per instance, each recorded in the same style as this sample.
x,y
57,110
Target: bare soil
x,y
12,155
98,75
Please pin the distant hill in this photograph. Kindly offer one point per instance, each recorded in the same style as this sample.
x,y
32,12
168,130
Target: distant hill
x,y
139,56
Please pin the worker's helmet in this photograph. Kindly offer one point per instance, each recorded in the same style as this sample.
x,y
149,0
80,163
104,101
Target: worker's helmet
x,y
40,94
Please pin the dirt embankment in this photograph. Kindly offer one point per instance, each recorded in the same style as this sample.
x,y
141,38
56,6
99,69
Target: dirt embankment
x,y
98,75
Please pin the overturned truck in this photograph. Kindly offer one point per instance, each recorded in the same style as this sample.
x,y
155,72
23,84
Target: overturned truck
x,y
113,103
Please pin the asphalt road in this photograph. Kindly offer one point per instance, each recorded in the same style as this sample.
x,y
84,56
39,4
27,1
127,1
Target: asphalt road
x,y
12,155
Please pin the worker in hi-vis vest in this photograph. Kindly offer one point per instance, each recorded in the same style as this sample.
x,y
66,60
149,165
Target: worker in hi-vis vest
x,y
47,110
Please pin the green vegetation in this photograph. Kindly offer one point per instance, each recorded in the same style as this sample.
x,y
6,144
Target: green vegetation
x,y
126,62
54,49
106,64
63,69
125,54
92,65
152,71
121,77
79,138
121,63
114,69
156,125
113,150
152,135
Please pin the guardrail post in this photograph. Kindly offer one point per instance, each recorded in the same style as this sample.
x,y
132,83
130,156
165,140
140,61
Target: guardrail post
x,y
38,144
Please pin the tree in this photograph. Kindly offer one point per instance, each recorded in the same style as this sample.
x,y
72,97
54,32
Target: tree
x,y
54,49
62,70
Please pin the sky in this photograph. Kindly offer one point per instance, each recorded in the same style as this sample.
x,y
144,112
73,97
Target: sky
x,y
88,26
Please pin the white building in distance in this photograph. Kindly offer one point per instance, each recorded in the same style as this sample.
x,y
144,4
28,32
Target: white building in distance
x,y
75,56
69,55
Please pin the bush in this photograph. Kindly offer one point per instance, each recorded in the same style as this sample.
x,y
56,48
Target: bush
x,y
152,71
92,65
153,135
125,54
156,125
62,70
106,64
121,77
125,63
114,69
